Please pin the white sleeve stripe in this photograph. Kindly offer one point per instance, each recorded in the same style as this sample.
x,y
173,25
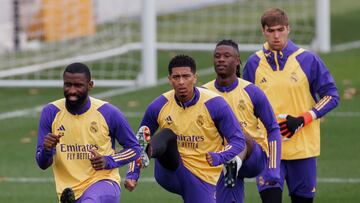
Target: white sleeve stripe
x,y
272,154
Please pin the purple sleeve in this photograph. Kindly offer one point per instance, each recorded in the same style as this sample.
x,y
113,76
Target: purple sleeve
x,y
151,114
321,83
250,68
264,111
44,158
228,127
120,130
133,171
149,120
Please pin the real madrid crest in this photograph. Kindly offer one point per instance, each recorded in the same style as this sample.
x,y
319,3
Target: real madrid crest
x,y
294,77
261,181
200,120
241,105
93,127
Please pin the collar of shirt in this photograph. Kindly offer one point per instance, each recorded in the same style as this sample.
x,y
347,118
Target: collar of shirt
x,y
278,59
84,108
288,50
191,102
226,88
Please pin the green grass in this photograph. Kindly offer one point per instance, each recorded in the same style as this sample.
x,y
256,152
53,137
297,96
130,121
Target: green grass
x,y
344,20
18,138
339,143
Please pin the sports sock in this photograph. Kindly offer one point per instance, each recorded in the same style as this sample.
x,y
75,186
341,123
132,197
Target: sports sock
x,y
271,195
298,199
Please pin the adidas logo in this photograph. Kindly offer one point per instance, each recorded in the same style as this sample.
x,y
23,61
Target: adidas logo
x,y
263,80
61,128
168,120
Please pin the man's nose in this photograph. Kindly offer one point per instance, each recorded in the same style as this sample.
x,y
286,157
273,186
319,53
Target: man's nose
x,y
181,80
276,34
72,89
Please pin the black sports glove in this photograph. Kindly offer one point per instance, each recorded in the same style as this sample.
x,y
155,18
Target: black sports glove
x,y
291,125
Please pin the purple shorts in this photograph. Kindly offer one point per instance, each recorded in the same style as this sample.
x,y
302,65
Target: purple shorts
x,y
103,191
300,176
184,183
250,168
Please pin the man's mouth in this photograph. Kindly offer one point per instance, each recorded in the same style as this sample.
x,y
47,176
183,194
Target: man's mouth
x,y
72,98
221,67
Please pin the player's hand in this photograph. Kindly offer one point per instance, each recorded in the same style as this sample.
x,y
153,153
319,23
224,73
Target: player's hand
x,y
209,159
293,124
98,162
50,141
130,184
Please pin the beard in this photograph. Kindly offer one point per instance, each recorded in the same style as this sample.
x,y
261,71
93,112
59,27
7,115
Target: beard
x,y
73,106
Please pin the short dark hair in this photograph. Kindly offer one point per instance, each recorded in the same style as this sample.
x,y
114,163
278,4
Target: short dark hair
x,y
78,68
274,16
182,61
230,42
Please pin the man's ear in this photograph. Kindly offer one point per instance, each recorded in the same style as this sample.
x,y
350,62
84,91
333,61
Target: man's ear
x,y
90,84
262,30
169,79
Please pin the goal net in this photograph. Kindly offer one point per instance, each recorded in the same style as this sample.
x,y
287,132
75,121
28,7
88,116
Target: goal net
x,y
39,37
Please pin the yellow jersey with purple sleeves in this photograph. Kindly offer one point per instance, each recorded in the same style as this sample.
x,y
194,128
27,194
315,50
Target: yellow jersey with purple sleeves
x,y
201,126
96,126
254,112
295,81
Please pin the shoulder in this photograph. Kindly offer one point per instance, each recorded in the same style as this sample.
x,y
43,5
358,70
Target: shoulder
x,y
209,85
158,103
207,95
49,112
53,107
167,95
250,87
255,57
106,109
307,55
60,103
255,94
211,100
243,83
252,62
161,100
97,102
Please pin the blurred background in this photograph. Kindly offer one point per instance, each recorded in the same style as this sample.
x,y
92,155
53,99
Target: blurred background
x,y
127,45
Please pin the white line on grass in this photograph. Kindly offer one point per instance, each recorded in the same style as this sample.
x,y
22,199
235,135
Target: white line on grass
x,y
346,46
152,180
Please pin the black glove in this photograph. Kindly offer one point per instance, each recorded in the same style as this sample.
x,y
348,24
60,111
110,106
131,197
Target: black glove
x,y
291,125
